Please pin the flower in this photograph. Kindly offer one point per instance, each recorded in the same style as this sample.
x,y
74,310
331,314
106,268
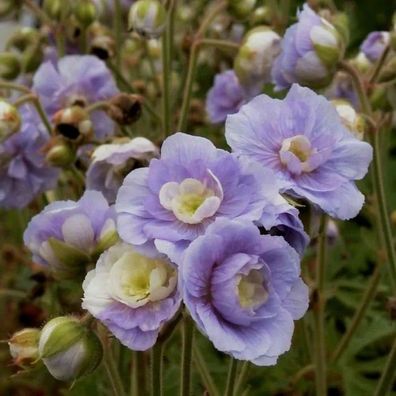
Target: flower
x,y
24,346
244,290
68,349
173,201
311,49
256,55
76,80
111,162
132,294
303,140
374,45
67,235
23,171
225,97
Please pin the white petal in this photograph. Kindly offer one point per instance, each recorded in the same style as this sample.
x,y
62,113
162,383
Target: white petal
x,y
78,232
167,193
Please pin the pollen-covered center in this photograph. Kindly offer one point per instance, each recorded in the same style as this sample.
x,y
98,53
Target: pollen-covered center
x,y
137,280
191,201
297,147
251,290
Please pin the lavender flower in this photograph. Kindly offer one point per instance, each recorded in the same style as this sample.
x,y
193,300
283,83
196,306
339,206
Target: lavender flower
x,y
374,45
76,80
111,162
23,171
173,201
303,140
244,290
225,97
67,235
310,51
132,294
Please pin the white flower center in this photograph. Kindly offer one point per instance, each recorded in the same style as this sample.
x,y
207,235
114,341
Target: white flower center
x,y
191,201
136,280
251,290
300,148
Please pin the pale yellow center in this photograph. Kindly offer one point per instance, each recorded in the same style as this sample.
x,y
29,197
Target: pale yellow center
x,y
251,290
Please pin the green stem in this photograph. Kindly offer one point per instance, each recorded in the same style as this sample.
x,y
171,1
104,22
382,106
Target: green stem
x,y
112,372
220,44
202,368
152,68
320,348
388,374
241,378
15,87
156,369
137,387
359,314
378,66
118,30
232,370
185,375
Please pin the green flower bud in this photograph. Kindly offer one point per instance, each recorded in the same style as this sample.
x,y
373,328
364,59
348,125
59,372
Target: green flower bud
x,y
381,98
68,349
254,59
61,155
10,120
23,39
10,66
85,12
388,73
350,118
361,63
241,9
147,18
24,346
72,122
7,6
261,16
56,9
32,58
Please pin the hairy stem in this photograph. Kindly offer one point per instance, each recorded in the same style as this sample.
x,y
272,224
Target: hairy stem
x,y
156,369
207,379
112,372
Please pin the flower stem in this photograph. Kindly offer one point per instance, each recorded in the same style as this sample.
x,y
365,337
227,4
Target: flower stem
x,y
359,314
241,378
232,370
388,374
204,372
320,347
221,44
193,63
380,63
112,372
117,22
156,369
185,375
137,386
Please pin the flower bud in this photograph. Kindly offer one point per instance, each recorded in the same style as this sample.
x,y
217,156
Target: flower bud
x,y
103,47
241,9
147,18
61,155
10,66
380,98
125,109
32,58
10,120
7,6
68,349
388,73
255,57
72,122
361,63
350,118
261,15
24,346
56,9
23,39
85,12
341,22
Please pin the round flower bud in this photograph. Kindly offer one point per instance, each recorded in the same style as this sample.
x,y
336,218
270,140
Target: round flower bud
x,y
24,38
10,66
72,122
60,155
241,9
350,118
125,109
10,120
85,12
24,346
361,62
56,9
261,15
7,6
147,18
255,57
68,349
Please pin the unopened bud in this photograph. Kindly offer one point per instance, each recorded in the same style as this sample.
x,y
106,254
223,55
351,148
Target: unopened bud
x,y
255,57
85,12
261,16
103,47
10,66
72,122
56,9
24,346
23,39
125,109
68,349
350,118
241,9
32,58
361,62
61,155
147,18
10,120
341,22
379,98
388,73
7,6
